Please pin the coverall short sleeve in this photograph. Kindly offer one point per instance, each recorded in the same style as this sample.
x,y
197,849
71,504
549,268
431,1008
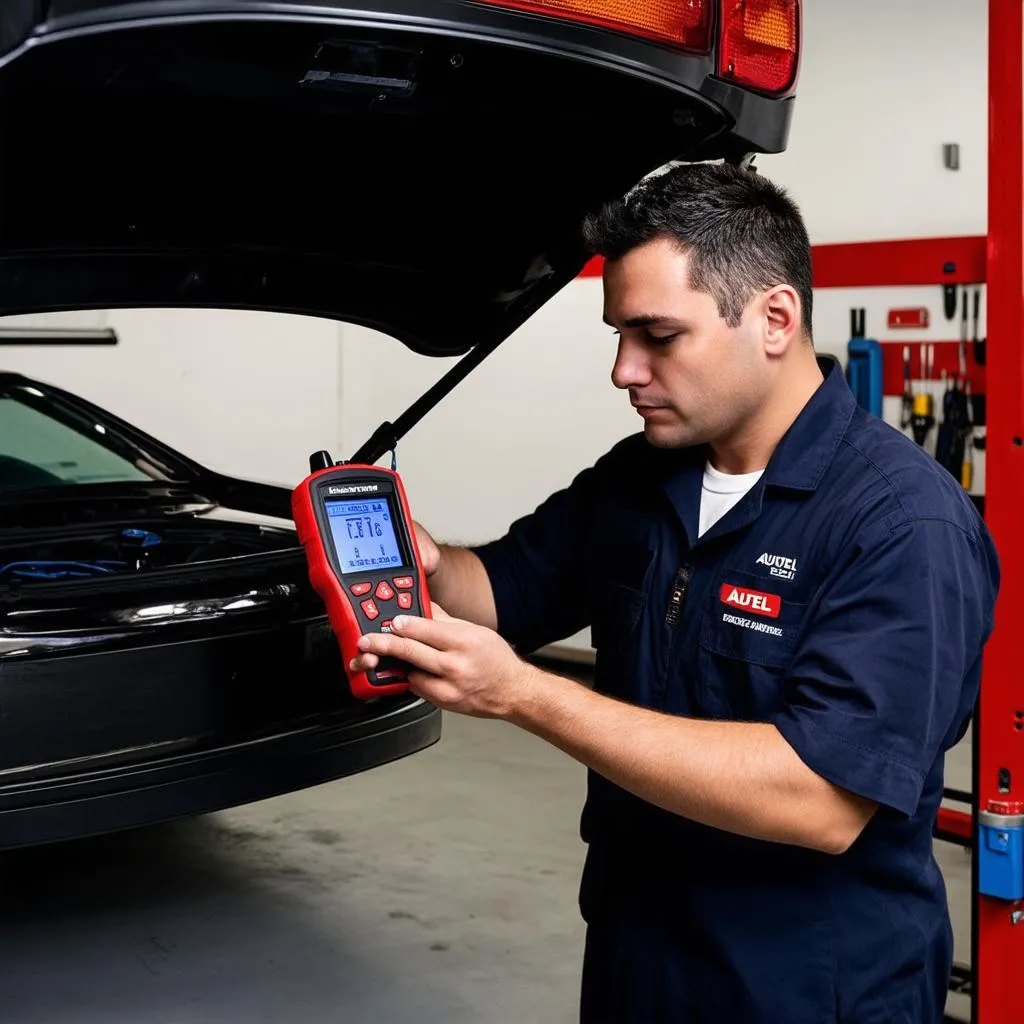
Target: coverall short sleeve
x,y
877,689
538,569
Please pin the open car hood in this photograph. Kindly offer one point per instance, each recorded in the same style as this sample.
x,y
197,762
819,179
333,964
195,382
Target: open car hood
x,y
418,167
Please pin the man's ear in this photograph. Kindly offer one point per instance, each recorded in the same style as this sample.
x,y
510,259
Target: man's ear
x,y
782,319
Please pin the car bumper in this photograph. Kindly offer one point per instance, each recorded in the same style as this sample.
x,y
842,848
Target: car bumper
x,y
132,794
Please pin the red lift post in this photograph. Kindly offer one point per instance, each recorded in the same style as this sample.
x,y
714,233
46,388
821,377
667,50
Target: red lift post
x,y
998,946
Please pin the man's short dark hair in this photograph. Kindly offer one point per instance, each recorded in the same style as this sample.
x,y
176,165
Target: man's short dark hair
x,y
742,232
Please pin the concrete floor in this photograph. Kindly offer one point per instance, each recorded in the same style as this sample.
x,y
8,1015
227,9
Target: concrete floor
x,y
441,888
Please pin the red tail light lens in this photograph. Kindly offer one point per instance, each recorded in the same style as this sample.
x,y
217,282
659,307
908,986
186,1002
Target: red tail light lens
x,y
681,23
760,43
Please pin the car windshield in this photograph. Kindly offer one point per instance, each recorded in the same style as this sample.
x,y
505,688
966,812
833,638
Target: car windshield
x,y
44,443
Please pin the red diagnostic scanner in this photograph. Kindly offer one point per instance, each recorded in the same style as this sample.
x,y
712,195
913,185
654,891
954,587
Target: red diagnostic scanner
x,y
354,524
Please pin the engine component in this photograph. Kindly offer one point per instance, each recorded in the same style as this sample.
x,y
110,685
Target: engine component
x,y
59,570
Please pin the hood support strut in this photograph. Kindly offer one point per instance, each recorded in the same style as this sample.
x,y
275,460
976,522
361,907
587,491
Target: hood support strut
x,y
386,437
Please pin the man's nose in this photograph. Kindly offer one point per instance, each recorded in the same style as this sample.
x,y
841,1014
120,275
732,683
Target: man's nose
x,y
631,368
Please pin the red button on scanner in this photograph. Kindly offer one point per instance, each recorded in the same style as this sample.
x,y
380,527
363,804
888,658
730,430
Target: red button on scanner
x,y
405,601
384,592
385,626
403,582
370,608
358,589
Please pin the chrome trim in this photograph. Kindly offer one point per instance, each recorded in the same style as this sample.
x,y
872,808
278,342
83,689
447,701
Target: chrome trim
x,y
28,632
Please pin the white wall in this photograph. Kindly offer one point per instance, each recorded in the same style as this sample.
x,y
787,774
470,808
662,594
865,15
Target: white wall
x,y
536,411
884,83
245,392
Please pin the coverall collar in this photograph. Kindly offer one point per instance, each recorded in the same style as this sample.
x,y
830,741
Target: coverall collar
x,y
798,463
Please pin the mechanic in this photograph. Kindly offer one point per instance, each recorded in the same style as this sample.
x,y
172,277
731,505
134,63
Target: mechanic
x,y
788,600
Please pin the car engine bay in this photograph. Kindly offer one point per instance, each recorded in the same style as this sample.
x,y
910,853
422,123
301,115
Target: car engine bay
x,y
113,550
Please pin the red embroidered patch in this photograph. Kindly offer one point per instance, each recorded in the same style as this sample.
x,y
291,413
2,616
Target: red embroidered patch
x,y
755,601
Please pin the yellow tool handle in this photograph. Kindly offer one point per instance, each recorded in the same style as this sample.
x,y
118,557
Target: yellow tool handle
x,y
923,404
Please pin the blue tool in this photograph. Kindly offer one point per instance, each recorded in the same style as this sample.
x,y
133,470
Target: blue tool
x,y
864,366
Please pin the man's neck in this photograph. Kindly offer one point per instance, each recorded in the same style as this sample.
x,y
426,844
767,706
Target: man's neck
x,y
748,451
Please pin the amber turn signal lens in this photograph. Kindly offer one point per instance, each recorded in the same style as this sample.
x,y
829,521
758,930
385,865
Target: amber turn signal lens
x,y
760,45
685,24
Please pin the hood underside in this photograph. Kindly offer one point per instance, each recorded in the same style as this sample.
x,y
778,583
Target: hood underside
x,y
374,163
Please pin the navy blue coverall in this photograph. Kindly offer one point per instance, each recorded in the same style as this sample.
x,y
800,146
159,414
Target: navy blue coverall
x,y
845,599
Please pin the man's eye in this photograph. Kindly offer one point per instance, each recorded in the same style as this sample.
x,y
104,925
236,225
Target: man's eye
x,y
663,339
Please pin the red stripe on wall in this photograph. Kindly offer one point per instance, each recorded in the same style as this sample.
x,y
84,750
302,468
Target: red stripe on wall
x,y
910,261
947,357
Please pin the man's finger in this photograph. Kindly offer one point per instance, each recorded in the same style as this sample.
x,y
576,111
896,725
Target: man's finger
x,y
387,645
364,662
441,634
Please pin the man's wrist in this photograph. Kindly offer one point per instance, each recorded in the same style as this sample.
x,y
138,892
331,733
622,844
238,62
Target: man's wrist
x,y
536,696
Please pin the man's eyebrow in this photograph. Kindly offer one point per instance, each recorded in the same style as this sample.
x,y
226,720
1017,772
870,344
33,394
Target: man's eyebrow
x,y
645,320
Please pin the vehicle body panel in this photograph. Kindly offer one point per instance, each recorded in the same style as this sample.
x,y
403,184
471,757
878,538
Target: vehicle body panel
x,y
203,676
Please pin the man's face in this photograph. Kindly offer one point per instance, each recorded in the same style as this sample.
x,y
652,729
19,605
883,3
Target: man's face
x,y
692,377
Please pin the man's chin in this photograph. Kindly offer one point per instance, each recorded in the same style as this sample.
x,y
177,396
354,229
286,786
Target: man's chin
x,y
661,435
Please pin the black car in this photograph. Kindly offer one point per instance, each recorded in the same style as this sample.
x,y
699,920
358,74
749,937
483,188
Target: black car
x,y
418,167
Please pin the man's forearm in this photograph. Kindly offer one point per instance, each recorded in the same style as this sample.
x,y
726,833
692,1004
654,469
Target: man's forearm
x,y
741,777
462,587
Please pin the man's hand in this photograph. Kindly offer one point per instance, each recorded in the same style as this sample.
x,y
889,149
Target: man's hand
x,y
430,554
457,579
459,666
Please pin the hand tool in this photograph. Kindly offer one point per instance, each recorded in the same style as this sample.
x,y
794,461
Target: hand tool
x,y
967,465
963,339
924,415
949,295
908,391
944,435
978,344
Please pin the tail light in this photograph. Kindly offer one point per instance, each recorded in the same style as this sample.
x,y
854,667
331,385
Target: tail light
x,y
760,43
685,24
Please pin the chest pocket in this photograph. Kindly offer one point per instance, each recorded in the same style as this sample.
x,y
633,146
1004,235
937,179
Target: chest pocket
x,y
623,555
748,638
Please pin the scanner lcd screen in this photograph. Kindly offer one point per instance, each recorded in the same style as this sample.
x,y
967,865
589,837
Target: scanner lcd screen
x,y
363,531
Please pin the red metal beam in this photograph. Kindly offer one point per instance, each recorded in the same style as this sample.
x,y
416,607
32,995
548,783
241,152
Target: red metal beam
x,y
954,825
998,953
905,261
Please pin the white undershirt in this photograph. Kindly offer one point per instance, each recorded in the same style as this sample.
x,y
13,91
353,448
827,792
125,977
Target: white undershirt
x,y
720,491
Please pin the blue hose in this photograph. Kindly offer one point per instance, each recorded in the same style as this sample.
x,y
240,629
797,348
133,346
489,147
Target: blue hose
x,y
60,570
